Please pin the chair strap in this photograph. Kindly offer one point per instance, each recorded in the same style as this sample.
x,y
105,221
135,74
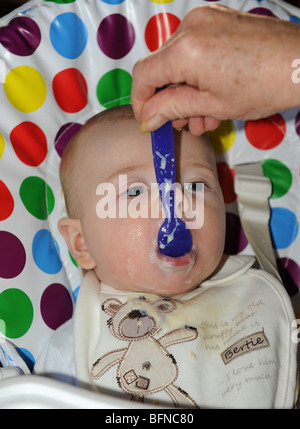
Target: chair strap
x,y
253,190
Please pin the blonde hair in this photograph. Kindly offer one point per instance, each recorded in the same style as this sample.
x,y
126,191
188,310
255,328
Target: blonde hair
x,y
76,148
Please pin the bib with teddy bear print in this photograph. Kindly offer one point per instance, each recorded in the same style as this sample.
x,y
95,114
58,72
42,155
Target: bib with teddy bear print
x,y
226,344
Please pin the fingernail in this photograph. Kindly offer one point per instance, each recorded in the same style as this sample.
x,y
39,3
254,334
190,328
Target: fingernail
x,y
152,124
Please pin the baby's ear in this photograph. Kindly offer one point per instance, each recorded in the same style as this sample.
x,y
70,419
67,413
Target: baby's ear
x,y
71,230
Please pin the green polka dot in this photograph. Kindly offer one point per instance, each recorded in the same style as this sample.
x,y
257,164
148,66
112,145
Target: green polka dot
x,y
73,260
61,1
37,197
114,88
280,176
16,313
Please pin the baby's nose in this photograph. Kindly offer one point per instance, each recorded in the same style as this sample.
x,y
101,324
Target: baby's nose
x,y
174,195
183,203
191,206
157,211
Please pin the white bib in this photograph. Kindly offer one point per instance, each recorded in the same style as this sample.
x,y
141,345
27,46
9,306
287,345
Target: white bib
x,y
227,344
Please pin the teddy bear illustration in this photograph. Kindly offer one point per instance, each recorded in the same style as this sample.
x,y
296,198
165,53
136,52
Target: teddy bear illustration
x,y
145,366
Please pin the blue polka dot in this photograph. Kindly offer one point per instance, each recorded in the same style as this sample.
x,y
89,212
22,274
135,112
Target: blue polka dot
x,y
295,19
284,227
68,35
75,293
27,357
113,1
45,252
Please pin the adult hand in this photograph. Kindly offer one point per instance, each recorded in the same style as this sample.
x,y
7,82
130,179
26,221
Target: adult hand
x,y
219,64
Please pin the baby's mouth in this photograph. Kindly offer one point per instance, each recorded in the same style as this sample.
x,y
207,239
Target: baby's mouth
x,y
187,260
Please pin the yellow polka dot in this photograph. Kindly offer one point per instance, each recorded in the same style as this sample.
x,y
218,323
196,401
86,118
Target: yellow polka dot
x,y
223,137
25,88
2,145
162,1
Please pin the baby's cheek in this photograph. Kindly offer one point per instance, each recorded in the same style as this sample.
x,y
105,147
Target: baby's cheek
x,y
130,246
210,237
133,236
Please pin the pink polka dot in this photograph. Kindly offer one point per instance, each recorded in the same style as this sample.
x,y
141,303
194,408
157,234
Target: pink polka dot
x,y
262,11
12,255
21,36
159,28
235,241
290,273
6,202
64,134
29,143
70,90
56,305
115,36
266,133
297,124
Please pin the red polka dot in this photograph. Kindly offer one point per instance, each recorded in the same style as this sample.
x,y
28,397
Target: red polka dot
x,y
29,143
70,90
159,28
266,133
6,202
226,179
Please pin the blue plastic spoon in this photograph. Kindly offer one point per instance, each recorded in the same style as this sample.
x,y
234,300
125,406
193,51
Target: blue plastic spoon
x,y
174,238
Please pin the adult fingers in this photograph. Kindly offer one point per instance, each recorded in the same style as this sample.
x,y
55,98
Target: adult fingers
x,y
161,68
178,103
148,74
198,126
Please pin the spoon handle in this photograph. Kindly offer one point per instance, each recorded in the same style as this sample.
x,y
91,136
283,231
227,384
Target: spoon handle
x,y
164,162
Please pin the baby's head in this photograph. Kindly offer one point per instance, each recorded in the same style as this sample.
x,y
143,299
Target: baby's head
x,y
108,179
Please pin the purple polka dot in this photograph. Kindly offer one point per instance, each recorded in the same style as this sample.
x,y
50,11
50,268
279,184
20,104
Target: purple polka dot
x,y
297,124
262,11
64,135
290,273
12,255
115,36
21,36
56,305
235,241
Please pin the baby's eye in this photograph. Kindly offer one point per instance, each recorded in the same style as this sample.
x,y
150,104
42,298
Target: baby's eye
x,y
135,191
194,186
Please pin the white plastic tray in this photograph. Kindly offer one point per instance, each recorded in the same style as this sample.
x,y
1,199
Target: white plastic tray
x,y
36,392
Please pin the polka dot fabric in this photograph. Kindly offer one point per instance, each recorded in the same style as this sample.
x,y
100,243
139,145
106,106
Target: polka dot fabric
x,y
63,61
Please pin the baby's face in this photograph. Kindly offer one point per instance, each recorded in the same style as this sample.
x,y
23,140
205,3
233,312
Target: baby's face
x,y
124,246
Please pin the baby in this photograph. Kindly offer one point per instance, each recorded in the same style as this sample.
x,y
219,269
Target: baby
x,y
192,331
123,251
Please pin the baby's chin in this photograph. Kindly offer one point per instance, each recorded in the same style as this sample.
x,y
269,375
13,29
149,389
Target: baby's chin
x,y
169,289
174,276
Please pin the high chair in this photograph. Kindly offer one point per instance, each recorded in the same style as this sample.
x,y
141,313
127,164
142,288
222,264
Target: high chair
x,y
62,61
